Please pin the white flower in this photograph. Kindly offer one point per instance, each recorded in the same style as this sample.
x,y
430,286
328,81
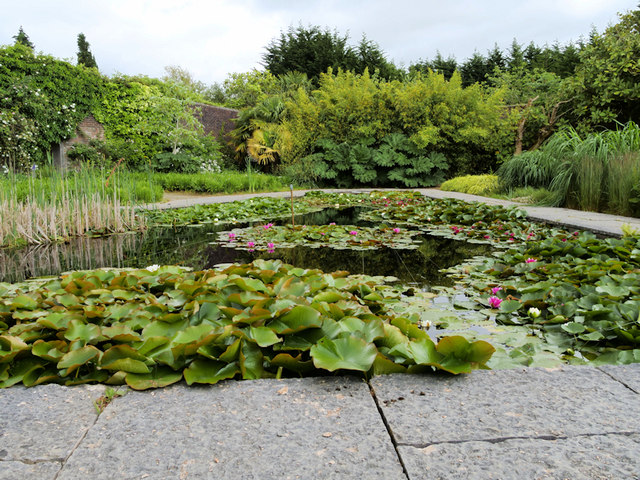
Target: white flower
x,y
534,312
153,268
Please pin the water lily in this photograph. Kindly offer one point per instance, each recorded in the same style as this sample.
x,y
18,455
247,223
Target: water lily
x,y
353,232
251,245
271,247
495,290
152,268
530,260
396,230
495,302
332,223
267,226
232,236
534,312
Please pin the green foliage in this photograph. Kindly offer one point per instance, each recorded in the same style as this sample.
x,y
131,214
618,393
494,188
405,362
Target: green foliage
x,y
42,99
541,100
597,172
245,90
23,39
48,185
144,118
609,73
313,51
85,57
395,161
486,185
221,182
437,116
149,328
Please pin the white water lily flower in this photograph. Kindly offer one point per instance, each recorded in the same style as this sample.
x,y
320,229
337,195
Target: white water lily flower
x,y
534,312
153,268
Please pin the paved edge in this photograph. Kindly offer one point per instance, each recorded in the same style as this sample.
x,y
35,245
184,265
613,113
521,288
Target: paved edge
x,y
318,427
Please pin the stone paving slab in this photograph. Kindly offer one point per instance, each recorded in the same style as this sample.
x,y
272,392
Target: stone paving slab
x,y
502,404
604,457
629,375
45,423
313,428
24,471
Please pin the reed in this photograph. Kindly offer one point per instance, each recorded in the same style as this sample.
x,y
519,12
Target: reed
x,y
52,207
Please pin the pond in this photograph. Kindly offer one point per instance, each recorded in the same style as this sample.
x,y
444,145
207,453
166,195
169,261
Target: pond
x,y
192,246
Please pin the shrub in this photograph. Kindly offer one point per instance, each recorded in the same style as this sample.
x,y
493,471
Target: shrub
x,y
473,184
396,161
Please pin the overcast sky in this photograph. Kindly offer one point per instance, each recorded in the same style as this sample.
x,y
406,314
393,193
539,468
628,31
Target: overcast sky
x,y
212,38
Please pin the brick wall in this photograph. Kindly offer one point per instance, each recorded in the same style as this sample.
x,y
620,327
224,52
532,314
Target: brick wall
x,y
216,119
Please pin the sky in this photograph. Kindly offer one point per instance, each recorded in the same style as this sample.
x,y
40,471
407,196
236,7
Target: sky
x,y
213,38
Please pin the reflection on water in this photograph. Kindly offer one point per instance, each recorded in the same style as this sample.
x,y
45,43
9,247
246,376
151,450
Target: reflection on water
x,y
190,246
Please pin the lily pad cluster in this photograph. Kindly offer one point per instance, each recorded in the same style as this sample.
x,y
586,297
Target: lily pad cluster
x,y
371,199
253,209
465,221
581,294
269,236
151,328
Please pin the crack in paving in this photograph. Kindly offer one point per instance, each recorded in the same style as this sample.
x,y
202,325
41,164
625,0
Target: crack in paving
x,y
617,380
75,447
389,431
516,437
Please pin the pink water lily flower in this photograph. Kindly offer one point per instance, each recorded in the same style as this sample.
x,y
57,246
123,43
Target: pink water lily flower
x,y
495,290
270,246
267,226
495,302
251,244
232,236
353,232
396,230
530,260
332,223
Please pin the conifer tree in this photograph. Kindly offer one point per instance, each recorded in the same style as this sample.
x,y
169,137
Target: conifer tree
x,y
23,38
85,57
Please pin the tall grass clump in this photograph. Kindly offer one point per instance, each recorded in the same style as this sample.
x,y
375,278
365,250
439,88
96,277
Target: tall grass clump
x,y
597,172
50,206
224,182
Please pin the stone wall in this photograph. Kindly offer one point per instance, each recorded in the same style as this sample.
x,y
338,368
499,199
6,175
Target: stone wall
x,y
217,121
88,129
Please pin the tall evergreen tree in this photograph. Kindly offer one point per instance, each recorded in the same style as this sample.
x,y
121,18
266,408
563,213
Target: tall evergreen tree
x,y
23,38
85,57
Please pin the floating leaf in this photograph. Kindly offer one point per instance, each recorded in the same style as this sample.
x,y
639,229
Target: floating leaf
x,y
159,377
203,370
76,358
299,318
347,353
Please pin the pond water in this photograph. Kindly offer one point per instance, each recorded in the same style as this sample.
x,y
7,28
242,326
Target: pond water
x,y
191,246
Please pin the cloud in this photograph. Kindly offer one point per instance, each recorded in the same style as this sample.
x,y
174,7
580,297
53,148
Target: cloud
x,y
214,38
